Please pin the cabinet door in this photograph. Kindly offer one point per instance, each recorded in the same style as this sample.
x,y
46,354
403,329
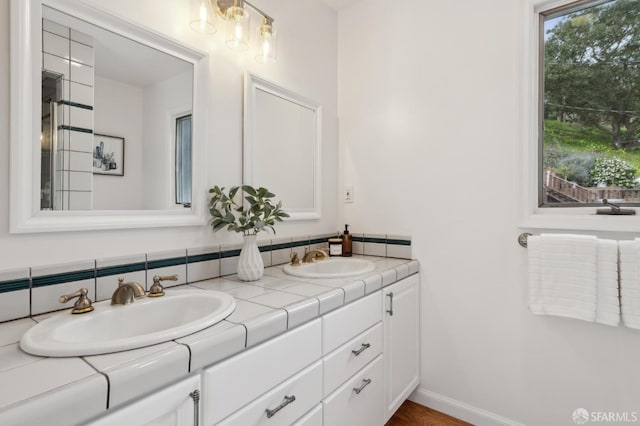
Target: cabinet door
x,y
357,401
401,322
312,418
177,405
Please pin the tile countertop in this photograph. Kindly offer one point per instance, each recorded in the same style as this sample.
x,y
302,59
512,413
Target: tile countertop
x,y
265,308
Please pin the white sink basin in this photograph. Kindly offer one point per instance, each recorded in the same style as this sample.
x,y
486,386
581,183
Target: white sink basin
x,y
116,328
336,267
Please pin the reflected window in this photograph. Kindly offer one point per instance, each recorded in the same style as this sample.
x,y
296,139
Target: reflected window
x,y
183,160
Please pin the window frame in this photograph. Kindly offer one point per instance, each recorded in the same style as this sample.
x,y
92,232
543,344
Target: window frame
x,y
531,214
177,119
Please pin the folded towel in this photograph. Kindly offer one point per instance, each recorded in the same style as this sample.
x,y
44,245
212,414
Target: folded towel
x,y
630,283
563,275
608,300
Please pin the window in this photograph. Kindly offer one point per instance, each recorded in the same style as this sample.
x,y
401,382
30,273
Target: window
x,y
183,160
589,113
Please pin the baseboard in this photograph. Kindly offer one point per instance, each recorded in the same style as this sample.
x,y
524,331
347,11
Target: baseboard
x,y
459,410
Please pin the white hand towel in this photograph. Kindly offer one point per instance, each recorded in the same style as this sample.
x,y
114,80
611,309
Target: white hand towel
x,y
608,301
630,283
563,275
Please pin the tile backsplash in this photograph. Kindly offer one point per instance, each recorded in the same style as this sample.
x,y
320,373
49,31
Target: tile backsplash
x,y
32,291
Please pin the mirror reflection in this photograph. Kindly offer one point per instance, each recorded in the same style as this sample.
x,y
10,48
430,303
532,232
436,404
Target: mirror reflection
x,y
116,121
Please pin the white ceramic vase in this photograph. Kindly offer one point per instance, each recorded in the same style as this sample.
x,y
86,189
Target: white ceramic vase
x,y
250,265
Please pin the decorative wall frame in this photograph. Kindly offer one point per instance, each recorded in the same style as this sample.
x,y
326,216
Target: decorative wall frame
x,y
108,155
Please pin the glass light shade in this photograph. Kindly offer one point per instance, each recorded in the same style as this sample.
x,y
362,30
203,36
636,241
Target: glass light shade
x,y
237,28
267,43
202,17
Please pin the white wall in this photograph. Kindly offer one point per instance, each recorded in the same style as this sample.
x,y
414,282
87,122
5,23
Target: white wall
x,y
118,112
163,103
307,63
428,133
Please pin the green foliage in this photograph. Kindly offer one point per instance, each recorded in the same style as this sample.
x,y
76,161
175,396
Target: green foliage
x,y
591,69
613,172
252,213
562,139
577,167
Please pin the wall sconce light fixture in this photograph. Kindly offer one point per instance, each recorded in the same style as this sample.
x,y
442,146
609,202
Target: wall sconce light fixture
x,y
237,25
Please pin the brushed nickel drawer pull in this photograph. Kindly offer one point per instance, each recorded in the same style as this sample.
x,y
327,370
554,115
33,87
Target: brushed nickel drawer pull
x,y
390,310
365,382
362,348
287,400
195,395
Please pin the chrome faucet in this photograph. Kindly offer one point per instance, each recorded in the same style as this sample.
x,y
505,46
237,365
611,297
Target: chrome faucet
x,y
312,255
127,292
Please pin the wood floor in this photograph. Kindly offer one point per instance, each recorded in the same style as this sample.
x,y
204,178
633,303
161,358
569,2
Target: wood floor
x,y
412,414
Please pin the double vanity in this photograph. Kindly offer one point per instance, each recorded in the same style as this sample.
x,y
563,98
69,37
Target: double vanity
x,y
290,350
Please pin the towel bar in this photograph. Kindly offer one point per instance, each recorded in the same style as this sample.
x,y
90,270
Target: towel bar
x,y
522,238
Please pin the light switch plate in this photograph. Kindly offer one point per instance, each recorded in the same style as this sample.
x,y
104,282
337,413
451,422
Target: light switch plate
x,y
348,194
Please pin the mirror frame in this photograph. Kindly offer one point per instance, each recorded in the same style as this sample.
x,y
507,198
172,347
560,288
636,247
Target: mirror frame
x,y
25,93
252,83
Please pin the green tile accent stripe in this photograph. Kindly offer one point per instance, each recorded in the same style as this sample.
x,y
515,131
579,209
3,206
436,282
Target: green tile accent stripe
x,y
77,105
203,257
14,285
121,269
264,248
281,246
66,277
395,242
163,263
399,242
300,243
229,253
75,129
318,240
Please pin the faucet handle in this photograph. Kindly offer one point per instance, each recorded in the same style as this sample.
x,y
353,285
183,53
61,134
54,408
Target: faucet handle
x,y
295,260
156,289
82,305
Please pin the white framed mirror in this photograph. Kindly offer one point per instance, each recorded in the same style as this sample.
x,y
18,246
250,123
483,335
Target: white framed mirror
x,y
282,146
107,122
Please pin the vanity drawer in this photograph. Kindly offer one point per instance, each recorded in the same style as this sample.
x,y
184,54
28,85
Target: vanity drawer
x,y
234,383
351,357
344,324
348,407
294,398
312,418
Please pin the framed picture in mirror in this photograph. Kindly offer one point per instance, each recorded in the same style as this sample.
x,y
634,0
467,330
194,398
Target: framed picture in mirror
x,y
108,155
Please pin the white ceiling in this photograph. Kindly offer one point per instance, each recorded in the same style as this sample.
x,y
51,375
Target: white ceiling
x,y
340,4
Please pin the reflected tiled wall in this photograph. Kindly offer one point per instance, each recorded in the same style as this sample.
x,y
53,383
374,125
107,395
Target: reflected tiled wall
x,y
69,55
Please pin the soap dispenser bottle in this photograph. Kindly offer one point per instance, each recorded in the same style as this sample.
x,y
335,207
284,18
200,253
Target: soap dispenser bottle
x,y
346,242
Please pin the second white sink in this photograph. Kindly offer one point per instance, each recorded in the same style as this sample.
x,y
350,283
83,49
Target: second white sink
x,y
335,267
116,328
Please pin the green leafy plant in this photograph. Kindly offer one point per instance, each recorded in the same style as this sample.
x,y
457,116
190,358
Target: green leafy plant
x,y
613,172
252,213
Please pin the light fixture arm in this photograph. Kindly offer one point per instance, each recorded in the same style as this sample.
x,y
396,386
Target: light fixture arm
x,y
269,19
223,5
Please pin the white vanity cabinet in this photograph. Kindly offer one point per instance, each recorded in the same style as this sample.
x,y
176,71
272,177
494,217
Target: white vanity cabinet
x,y
176,405
240,390
353,366
353,369
401,323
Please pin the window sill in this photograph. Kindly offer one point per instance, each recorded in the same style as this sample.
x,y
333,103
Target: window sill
x,y
580,218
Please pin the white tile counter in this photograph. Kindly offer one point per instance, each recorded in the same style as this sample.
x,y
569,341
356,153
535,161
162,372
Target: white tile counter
x,y
265,309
